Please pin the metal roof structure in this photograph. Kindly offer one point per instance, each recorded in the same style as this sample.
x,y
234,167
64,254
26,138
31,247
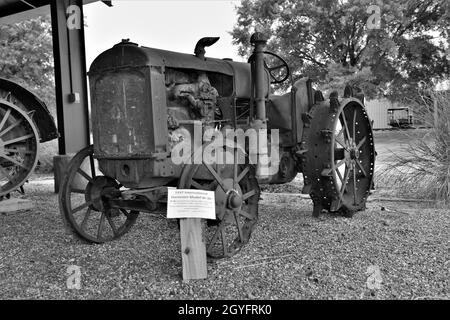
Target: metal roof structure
x,y
16,10
69,62
10,7
70,71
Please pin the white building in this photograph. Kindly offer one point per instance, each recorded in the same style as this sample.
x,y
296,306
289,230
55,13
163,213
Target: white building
x,y
378,112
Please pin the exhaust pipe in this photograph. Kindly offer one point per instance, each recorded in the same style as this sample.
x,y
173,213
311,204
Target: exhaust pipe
x,y
258,91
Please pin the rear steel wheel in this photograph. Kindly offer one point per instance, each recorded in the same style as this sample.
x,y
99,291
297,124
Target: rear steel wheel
x,y
236,196
82,201
339,163
19,147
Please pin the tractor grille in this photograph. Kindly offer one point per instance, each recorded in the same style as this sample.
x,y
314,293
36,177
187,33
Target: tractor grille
x,y
121,115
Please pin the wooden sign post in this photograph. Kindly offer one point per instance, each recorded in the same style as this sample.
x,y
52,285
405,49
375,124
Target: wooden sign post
x,y
191,206
193,249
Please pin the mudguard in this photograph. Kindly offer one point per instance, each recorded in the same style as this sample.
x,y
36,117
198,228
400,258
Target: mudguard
x,y
30,102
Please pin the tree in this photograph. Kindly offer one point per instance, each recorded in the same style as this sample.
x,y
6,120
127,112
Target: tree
x,y
26,56
339,42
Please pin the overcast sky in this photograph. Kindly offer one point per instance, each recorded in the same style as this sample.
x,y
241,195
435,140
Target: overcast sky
x,y
174,25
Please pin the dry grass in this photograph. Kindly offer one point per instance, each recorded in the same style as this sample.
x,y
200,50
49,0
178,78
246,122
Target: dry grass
x,y
422,168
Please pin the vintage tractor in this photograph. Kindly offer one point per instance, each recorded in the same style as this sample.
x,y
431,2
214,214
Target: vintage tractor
x,y
24,122
146,102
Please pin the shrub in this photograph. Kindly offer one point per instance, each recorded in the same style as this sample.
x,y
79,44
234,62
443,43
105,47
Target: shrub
x,y
422,169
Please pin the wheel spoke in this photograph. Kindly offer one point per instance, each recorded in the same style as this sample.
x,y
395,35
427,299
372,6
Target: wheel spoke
x,y
14,161
345,125
19,151
344,184
246,214
91,160
101,226
15,124
243,174
340,163
28,136
5,174
354,125
80,191
126,213
342,143
236,218
5,117
196,185
363,140
361,168
339,140
84,205
85,219
248,194
85,175
340,176
216,176
111,223
340,132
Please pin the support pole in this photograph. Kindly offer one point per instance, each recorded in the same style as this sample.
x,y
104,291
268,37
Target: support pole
x,y
70,80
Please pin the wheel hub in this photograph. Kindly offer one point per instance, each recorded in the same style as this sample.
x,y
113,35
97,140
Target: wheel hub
x,y
234,200
100,188
354,154
229,200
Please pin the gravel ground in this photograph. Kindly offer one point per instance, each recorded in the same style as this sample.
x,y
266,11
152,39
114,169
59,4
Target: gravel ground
x,y
290,256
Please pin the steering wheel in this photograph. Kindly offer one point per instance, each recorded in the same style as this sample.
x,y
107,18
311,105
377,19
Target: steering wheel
x,y
277,77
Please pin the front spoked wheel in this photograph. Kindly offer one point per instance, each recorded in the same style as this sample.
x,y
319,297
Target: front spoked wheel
x,y
83,201
236,196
